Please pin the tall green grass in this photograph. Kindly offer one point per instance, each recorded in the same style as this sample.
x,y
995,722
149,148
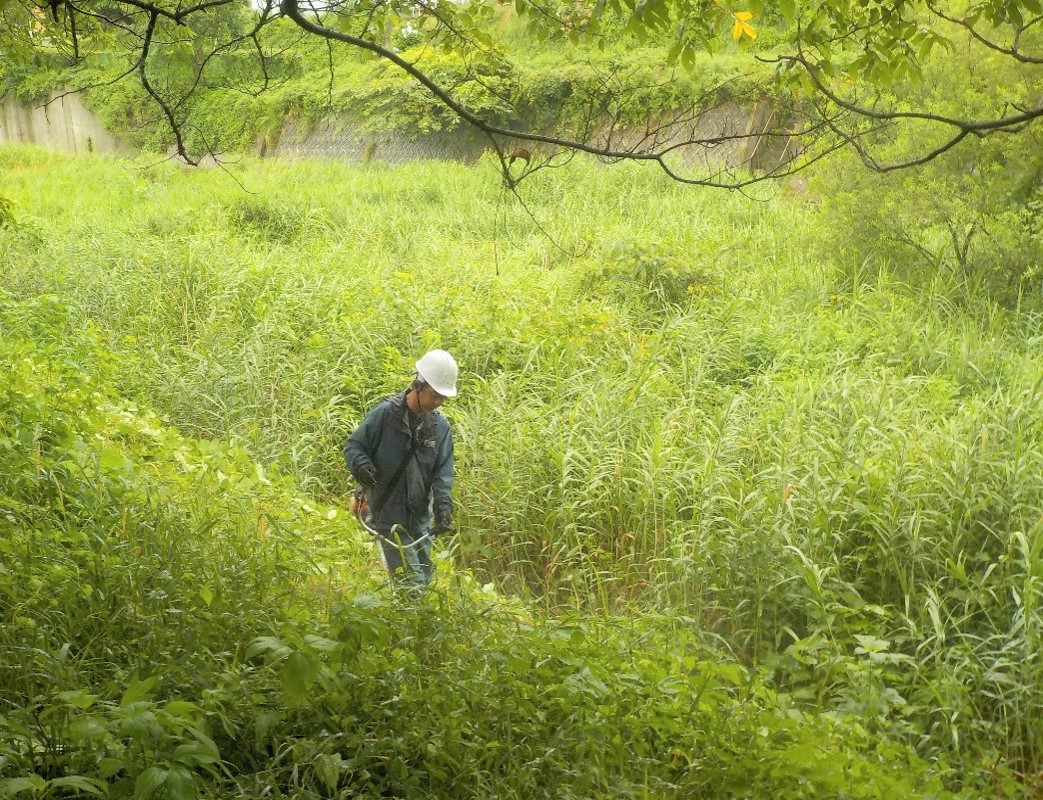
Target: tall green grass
x,y
176,624
672,400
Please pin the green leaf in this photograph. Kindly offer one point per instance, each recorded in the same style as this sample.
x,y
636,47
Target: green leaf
x,y
7,218
111,766
196,754
870,644
138,690
936,617
858,67
673,53
9,787
327,767
264,723
298,674
320,643
269,646
731,672
181,709
111,459
368,601
87,728
148,782
180,784
79,783
80,698
688,58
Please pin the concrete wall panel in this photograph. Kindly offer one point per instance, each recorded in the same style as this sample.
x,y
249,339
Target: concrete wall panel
x,y
62,123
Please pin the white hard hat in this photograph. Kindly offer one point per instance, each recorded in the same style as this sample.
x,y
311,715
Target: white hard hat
x,y
438,369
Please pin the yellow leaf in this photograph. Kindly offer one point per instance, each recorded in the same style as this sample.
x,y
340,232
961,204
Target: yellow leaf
x,y
742,27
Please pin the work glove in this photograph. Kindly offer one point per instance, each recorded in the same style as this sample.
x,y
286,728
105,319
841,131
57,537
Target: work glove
x,y
367,475
443,524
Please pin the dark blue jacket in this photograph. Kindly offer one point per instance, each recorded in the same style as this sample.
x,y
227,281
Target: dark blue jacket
x,y
383,440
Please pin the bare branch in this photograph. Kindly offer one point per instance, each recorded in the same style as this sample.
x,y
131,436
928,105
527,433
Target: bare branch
x,y
721,178
174,126
962,128
112,81
1011,51
177,17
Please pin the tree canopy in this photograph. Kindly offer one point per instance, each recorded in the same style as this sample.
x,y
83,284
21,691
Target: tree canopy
x,y
842,73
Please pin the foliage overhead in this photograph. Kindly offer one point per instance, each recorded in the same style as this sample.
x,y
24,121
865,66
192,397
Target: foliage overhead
x,y
841,65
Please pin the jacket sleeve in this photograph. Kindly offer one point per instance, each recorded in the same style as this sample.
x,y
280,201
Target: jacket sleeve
x,y
361,448
442,483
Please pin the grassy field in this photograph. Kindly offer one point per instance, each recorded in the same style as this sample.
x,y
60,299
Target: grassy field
x,y
785,511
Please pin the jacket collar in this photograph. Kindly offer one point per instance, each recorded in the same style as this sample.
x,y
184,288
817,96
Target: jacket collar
x,y
400,416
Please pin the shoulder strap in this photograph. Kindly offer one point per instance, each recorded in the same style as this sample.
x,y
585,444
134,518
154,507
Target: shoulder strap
x,y
378,504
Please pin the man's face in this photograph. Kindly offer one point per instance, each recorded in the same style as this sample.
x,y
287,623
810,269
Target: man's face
x,y
428,400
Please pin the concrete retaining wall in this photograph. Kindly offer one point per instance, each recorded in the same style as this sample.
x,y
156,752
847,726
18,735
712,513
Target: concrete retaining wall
x,y
340,141
65,124
733,133
62,123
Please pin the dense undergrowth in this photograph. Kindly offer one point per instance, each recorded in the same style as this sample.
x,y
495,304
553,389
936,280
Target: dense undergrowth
x,y
168,632
812,492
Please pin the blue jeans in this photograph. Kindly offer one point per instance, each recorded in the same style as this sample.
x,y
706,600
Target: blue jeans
x,y
409,562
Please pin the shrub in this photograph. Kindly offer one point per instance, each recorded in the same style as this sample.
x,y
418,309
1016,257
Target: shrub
x,y
653,277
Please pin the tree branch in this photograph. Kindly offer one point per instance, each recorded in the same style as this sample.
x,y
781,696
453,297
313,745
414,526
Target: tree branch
x,y
174,126
1012,51
721,178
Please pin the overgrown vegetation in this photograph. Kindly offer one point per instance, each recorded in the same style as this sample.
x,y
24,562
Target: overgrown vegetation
x,y
516,80
972,220
771,520
169,633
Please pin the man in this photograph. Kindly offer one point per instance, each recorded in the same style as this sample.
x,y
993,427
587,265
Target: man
x,y
402,457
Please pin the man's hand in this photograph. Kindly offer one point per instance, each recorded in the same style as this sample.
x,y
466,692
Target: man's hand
x,y
367,476
443,524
